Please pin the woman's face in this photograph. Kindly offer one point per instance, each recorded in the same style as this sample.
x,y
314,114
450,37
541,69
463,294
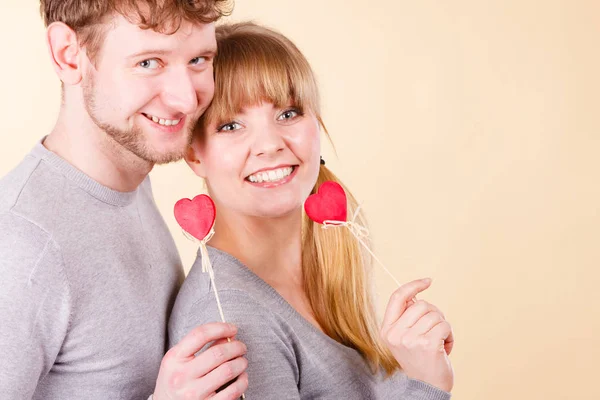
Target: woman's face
x,y
264,162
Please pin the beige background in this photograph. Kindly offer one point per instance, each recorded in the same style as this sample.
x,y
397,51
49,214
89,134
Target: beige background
x,y
470,130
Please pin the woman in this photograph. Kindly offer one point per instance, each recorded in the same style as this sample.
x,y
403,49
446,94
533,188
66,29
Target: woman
x,y
298,294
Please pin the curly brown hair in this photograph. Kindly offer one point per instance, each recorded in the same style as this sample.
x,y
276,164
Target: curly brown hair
x,y
88,17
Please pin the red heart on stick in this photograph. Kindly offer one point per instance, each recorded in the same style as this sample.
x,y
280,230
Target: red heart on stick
x,y
328,204
196,216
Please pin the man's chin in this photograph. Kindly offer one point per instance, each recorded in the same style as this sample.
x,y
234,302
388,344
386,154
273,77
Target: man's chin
x,y
161,157
167,158
155,149
161,152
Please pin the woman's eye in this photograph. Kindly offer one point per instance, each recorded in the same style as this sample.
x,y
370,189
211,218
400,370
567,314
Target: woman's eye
x,y
287,115
149,64
231,126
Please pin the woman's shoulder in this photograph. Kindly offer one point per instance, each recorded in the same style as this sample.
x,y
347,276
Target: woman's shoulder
x,y
229,275
246,301
239,289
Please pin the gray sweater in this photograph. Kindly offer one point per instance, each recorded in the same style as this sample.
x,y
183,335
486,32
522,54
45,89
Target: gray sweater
x,y
288,358
88,279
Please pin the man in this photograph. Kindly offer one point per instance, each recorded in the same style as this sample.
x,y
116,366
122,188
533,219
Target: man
x,y
89,269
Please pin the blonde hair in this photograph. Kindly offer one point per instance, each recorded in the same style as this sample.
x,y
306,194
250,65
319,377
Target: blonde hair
x,y
256,64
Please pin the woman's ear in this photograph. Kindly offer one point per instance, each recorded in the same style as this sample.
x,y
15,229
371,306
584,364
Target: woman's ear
x,y
193,160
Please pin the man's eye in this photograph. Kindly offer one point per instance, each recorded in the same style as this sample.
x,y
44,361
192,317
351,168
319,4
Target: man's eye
x,y
149,64
198,61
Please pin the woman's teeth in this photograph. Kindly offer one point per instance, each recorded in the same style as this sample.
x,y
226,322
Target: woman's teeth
x,y
271,176
162,121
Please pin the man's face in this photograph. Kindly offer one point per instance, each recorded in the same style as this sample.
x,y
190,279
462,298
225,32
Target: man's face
x,y
146,90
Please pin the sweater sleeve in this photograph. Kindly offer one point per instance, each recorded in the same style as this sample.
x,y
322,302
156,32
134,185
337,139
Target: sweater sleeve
x,y
272,369
34,306
418,390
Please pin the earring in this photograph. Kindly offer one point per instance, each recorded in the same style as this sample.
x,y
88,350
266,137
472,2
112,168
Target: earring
x,y
322,161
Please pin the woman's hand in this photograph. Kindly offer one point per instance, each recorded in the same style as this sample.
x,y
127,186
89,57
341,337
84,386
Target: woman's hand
x,y
184,376
419,336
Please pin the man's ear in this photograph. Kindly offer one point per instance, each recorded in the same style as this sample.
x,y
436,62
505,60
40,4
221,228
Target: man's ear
x,y
193,160
65,52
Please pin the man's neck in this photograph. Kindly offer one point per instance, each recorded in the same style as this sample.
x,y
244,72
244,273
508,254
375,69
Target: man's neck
x,y
81,143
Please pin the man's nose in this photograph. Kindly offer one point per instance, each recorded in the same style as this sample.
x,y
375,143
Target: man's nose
x,y
180,92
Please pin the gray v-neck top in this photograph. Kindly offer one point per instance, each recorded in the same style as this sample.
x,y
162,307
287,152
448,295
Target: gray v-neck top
x,y
288,358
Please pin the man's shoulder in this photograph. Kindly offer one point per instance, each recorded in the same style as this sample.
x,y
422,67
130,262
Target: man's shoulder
x,y
31,193
28,195
28,253
12,184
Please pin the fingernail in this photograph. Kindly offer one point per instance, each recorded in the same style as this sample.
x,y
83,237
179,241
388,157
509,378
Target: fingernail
x,y
427,280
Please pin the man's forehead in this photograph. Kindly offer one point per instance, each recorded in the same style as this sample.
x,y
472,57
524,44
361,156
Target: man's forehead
x,y
128,35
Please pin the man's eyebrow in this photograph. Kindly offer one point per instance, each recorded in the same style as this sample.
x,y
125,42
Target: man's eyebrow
x,y
208,51
149,52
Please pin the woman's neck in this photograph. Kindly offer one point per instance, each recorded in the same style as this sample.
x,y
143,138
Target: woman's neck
x,y
270,247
